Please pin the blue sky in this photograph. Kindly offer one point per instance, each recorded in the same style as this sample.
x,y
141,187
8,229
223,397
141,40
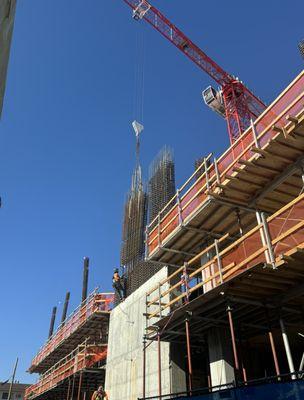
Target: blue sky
x,y
66,144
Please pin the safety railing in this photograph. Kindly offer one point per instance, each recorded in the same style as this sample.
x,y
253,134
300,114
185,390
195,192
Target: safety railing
x,y
84,356
95,302
211,175
271,238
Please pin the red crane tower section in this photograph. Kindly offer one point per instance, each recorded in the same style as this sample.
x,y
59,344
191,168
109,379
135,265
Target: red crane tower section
x,y
239,105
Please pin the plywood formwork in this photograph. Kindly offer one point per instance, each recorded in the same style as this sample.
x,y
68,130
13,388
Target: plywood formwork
x,y
260,171
89,320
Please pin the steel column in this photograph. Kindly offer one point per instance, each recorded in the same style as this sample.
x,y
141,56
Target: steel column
x,y
52,323
65,308
85,279
287,349
190,373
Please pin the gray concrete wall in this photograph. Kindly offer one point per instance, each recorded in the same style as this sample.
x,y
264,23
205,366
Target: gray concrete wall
x,y
124,372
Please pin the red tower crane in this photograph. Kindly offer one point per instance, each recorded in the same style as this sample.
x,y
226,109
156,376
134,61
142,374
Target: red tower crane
x,y
234,101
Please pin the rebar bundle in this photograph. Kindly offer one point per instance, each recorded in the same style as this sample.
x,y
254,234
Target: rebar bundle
x,y
134,223
161,182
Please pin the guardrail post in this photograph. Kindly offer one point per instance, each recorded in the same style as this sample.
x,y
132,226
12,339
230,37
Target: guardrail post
x,y
219,261
254,134
159,230
268,239
217,174
179,208
159,300
206,174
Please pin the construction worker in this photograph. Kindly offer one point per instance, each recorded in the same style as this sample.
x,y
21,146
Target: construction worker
x,y
117,285
100,394
184,282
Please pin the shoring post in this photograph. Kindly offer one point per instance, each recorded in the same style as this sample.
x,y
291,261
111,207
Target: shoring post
x,y
287,349
219,261
84,396
159,364
268,239
69,388
272,344
79,386
254,134
144,367
73,387
190,372
179,208
236,360
206,174
158,230
244,372
159,300
217,174
12,380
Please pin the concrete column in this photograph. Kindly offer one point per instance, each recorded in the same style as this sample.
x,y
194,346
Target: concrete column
x,y
220,356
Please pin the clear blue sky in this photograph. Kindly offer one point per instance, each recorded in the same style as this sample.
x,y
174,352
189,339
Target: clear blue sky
x,y
66,144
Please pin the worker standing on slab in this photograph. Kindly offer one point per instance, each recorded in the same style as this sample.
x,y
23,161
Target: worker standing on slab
x,y
117,285
100,394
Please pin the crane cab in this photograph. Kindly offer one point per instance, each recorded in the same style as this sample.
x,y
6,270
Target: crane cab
x,y
213,99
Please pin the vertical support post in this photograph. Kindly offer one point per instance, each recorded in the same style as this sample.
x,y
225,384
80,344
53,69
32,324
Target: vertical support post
x,y
268,239
144,367
79,386
159,230
219,261
85,279
206,174
262,234
190,373
52,323
179,208
65,307
287,349
254,134
236,360
159,365
159,301
69,388
217,174
272,345
12,380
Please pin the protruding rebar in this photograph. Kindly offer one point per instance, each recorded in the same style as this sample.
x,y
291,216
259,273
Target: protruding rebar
x,y
65,307
301,47
85,278
52,324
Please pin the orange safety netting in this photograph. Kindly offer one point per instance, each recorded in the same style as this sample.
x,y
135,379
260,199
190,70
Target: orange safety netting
x,y
195,192
94,303
85,356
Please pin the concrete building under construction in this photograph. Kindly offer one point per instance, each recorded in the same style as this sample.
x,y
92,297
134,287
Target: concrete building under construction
x,y
214,269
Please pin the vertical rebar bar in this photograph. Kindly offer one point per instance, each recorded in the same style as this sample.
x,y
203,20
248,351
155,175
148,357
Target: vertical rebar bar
x,y
65,307
85,279
52,323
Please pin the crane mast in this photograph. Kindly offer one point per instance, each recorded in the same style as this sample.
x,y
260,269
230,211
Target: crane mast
x,y
235,101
